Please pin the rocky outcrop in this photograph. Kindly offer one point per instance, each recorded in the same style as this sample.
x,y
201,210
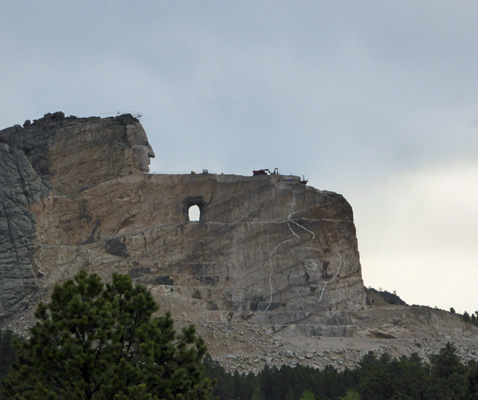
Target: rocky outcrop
x,y
384,297
268,253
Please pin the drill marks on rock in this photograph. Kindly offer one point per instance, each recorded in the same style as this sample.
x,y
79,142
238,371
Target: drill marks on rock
x,y
289,220
310,264
314,264
271,268
340,265
323,290
335,276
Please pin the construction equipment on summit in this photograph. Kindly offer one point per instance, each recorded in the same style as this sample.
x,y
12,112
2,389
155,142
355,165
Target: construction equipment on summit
x,y
261,172
266,171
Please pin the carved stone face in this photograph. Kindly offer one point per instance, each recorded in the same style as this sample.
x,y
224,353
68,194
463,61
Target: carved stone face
x,y
142,149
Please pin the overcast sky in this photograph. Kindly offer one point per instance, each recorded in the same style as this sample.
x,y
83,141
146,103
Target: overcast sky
x,y
376,100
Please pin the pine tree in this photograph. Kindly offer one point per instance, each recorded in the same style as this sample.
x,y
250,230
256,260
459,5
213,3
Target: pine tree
x,y
448,374
307,395
351,395
7,353
97,341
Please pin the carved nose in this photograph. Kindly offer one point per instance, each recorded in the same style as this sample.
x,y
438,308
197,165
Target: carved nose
x,y
151,153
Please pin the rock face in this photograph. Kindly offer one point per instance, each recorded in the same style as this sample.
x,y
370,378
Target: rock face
x,y
76,196
269,254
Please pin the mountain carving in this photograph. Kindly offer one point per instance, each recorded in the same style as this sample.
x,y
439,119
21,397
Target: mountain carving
x,y
269,253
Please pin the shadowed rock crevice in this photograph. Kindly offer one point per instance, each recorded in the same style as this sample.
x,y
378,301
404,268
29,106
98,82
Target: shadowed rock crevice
x,y
116,248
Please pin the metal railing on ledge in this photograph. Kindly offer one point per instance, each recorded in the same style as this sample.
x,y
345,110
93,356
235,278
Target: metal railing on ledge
x,y
289,177
203,172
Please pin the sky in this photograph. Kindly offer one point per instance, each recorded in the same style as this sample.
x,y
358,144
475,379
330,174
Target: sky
x,y
375,99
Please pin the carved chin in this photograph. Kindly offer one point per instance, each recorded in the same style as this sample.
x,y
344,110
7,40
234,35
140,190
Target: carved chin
x,y
143,164
142,158
144,168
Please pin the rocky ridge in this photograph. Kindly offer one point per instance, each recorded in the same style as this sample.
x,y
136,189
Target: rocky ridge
x,y
270,274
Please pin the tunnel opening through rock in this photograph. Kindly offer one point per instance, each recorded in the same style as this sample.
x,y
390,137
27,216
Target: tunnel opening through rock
x,y
194,209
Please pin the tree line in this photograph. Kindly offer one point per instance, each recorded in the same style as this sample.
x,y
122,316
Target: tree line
x,y
444,377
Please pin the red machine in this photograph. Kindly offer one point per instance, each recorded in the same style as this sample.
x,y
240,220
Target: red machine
x,y
261,172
